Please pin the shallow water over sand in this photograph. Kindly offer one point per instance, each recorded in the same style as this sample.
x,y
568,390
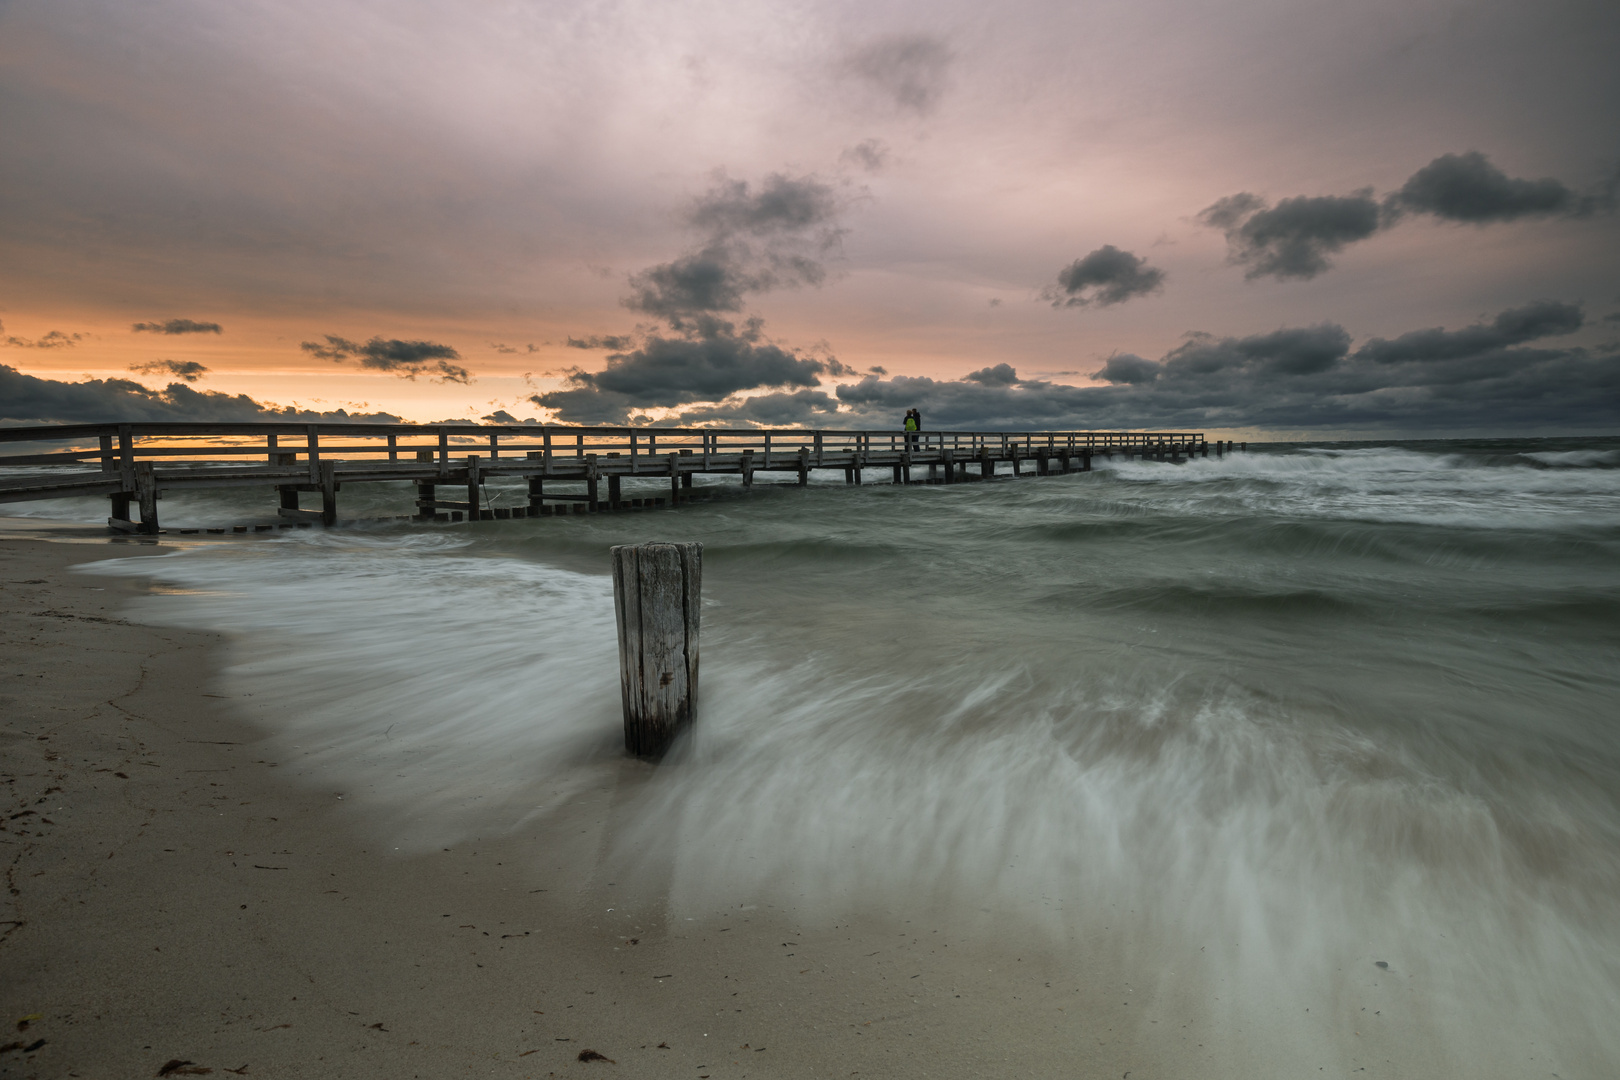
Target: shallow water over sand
x,y
1248,727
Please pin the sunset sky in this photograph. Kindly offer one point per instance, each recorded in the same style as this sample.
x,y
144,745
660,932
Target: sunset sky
x,y
1246,216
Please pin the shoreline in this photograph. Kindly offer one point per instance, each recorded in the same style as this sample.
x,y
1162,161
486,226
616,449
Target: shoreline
x,y
176,897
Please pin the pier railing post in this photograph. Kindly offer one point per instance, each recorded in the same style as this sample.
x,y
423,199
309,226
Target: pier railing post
x,y
657,594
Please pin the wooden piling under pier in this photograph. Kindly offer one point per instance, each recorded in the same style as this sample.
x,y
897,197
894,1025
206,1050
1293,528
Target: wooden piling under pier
x,y
131,465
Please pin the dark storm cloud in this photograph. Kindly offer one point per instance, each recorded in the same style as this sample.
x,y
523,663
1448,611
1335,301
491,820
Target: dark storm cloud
x,y
1467,187
1128,369
1484,378
802,408
710,361
1105,277
998,375
1488,377
1544,318
27,399
756,239
1303,351
407,359
912,70
178,326
614,342
1294,238
189,370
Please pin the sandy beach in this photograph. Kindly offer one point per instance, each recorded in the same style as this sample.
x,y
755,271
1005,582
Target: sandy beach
x,y
173,895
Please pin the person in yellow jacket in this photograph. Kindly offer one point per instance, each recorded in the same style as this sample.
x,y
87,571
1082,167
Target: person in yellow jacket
x,y
913,425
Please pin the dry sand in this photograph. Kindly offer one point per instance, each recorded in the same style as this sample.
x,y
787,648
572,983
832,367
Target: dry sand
x,y
173,895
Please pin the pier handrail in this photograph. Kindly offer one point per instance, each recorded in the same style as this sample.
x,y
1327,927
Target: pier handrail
x,y
292,458
120,445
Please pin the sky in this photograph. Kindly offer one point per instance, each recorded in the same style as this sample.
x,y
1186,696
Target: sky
x,y
1292,218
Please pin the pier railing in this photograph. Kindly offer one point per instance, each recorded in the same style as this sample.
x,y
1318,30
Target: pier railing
x,y
138,460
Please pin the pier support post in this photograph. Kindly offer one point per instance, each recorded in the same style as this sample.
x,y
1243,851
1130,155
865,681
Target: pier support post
x,y
987,466
424,489
475,494
950,467
674,480
328,476
537,485
146,492
747,468
804,466
592,480
120,512
657,594
1085,460
615,494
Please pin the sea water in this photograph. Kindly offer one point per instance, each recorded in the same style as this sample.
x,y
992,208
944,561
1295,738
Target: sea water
x,y
1330,727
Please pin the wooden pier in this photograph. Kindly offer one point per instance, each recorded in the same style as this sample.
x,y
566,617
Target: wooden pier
x,y
131,465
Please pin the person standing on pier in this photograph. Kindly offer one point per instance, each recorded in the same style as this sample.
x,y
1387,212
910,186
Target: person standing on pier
x,y
913,425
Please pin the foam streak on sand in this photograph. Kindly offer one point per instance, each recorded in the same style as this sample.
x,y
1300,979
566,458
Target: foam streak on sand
x,y
1230,735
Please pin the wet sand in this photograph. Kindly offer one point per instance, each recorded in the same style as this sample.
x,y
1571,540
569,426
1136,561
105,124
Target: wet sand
x,y
177,893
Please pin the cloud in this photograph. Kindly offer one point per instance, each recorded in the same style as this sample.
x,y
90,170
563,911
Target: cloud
x,y
1494,376
1304,351
27,399
55,339
1112,276
1467,187
801,408
1541,319
189,370
1128,369
999,375
615,342
178,326
756,239
711,361
1294,238
911,70
871,155
1485,378
407,359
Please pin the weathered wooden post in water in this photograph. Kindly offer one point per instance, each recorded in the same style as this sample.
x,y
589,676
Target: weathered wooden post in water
x,y
657,592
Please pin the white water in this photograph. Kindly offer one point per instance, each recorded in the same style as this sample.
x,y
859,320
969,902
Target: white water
x,y
1257,725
